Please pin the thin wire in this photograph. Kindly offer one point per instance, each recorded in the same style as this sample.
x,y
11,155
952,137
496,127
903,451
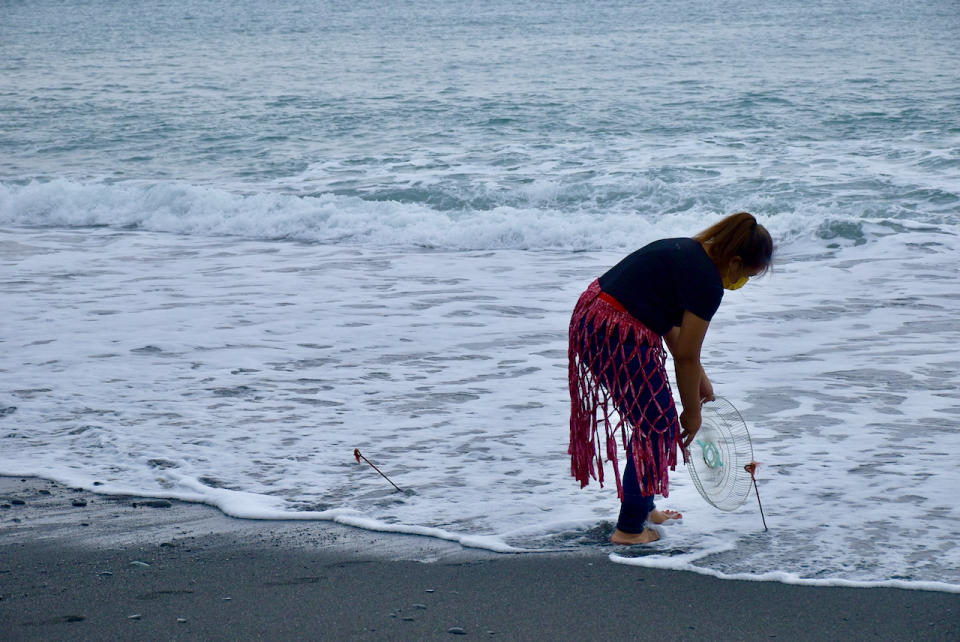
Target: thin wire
x,y
752,469
356,453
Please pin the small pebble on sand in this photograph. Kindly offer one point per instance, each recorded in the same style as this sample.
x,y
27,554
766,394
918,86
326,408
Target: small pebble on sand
x,y
153,503
456,630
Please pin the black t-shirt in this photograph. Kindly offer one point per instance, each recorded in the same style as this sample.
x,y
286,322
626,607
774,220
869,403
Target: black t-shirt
x,y
661,280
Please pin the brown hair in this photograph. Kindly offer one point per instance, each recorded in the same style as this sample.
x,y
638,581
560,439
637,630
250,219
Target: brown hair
x,y
738,235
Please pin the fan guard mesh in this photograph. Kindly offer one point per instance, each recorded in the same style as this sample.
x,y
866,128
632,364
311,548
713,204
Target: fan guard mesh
x,y
718,455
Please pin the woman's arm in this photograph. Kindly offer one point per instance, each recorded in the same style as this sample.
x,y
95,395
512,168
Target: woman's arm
x,y
684,343
706,387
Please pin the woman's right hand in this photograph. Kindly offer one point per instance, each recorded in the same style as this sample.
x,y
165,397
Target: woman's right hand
x,y
690,421
706,388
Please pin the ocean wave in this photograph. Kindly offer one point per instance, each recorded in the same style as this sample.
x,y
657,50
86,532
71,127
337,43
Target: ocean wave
x,y
327,218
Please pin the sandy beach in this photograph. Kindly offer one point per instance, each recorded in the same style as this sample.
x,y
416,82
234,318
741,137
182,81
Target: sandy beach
x,y
77,565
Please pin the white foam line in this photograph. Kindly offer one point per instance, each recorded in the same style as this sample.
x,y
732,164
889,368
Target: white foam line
x,y
782,577
238,504
242,505
469,541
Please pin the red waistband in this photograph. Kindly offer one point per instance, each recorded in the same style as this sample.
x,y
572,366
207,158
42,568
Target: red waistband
x,y
612,301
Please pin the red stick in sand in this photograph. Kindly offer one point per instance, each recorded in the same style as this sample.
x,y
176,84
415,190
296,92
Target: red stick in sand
x,y
358,456
752,469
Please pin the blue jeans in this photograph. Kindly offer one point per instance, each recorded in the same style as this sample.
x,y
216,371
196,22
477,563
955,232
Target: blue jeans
x,y
635,506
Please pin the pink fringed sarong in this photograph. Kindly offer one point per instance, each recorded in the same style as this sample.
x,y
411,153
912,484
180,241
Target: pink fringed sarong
x,y
617,377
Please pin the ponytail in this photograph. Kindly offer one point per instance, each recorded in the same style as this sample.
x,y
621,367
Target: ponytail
x,y
738,235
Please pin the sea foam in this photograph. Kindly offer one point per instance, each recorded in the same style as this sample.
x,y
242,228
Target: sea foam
x,y
243,373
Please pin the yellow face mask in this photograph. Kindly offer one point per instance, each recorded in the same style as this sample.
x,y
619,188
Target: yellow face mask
x,y
735,285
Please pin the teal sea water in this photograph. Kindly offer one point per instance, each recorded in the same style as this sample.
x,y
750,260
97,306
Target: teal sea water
x,y
238,240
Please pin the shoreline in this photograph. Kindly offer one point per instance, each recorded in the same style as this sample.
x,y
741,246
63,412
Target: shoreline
x,y
52,512
79,565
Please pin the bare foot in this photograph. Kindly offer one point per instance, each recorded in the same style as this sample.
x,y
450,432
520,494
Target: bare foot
x,y
648,535
661,516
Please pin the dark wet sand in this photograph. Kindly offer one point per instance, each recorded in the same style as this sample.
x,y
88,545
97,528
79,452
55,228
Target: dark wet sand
x,y
141,570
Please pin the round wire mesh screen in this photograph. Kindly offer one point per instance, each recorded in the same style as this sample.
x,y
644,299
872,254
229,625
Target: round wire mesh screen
x,y
718,455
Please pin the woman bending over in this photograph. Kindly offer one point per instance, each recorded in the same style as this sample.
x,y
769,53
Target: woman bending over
x,y
665,292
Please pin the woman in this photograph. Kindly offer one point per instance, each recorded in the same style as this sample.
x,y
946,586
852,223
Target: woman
x,y
666,291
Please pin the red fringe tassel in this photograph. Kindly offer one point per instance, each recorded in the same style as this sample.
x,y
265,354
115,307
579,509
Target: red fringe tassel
x,y
603,390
